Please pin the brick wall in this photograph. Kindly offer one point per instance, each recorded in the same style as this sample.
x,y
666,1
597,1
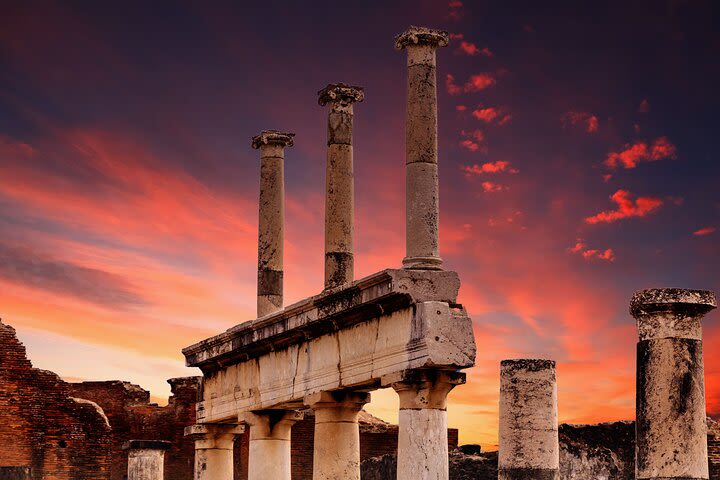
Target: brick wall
x,y
42,426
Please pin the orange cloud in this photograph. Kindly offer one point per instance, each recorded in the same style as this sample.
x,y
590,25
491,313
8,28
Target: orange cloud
x,y
587,120
590,254
489,187
469,48
489,167
660,148
627,207
704,231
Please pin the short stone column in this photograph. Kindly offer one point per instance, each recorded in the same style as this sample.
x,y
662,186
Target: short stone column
x,y
670,429
146,459
337,434
214,450
422,422
271,219
339,188
269,455
528,445
421,147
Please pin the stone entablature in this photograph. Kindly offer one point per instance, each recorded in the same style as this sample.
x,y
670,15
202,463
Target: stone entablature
x,y
389,322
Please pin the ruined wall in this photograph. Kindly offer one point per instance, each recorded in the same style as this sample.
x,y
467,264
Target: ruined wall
x,y
714,449
58,436
132,416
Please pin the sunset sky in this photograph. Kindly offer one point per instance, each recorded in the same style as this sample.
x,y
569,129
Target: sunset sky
x,y
577,165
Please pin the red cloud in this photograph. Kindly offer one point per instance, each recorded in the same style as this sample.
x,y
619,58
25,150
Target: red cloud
x,y
478,82
633,154
452,87
487,115
469,48
489,167
590,254
644,106
489,187
704,231
455,10
473,141
460,108
627,207
587,120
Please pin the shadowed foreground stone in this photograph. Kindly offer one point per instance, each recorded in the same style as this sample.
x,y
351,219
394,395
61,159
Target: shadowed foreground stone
x,y
15,473
671,429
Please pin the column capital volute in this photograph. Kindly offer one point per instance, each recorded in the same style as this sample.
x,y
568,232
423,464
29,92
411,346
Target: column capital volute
x,y
672,300
422,36
339,398
420,389
340,95
272,137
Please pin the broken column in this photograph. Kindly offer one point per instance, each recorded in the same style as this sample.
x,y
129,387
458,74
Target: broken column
x,y
339,197
146,459
269,454
528,445
421,148
337,434
671,429
271,220
214,450
422,422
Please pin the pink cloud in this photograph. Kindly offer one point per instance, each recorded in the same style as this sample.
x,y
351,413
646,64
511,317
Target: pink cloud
x,y
487,115
479,82
704,231
451,86
640,151
627,207
588,121
473,140
469,48
581,248
489,167
489,187
644,106
460,108
455,10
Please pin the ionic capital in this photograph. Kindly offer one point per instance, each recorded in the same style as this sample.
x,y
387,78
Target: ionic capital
x,y
273,137
422,36
270,424
671,312
423,389
340,96
214,435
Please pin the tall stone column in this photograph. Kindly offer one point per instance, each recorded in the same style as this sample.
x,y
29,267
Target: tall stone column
x,y
528,446
339,196
269,455
146,459
422,422
421,148
337,434
670,429
214,450
271,219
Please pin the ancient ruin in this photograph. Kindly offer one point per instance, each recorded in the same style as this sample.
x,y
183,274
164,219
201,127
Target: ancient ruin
x,y
282,395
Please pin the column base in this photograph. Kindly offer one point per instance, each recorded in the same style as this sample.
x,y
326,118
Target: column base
x,y
422,263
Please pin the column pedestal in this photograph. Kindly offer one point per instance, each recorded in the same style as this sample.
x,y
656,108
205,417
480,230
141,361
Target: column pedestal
x,y
214,450
269,455
422,426
146,459
337,434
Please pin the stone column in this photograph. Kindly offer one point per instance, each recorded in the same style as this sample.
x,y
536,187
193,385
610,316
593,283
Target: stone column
x,y
528,446
214,450
146,459
271,219
421,148
337,434
269,455
339,196
670,429
422,422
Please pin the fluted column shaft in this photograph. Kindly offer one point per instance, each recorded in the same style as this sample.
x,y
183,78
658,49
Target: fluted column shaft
x,y
339,183
271,219
421,148
214,450
670,429
269,453
528,438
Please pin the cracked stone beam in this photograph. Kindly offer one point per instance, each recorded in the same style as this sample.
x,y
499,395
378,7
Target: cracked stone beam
x,y
271,219
421,148
671,429
339,188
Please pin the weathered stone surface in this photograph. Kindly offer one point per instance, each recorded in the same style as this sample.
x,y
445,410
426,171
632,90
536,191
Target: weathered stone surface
x,y
146,459
422,36
269,451
214,450
605,451
528,437
671,431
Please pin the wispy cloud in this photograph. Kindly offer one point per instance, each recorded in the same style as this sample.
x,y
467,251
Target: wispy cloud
x,y
587,120
489,167
626,208
580,248
704,231
632,154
